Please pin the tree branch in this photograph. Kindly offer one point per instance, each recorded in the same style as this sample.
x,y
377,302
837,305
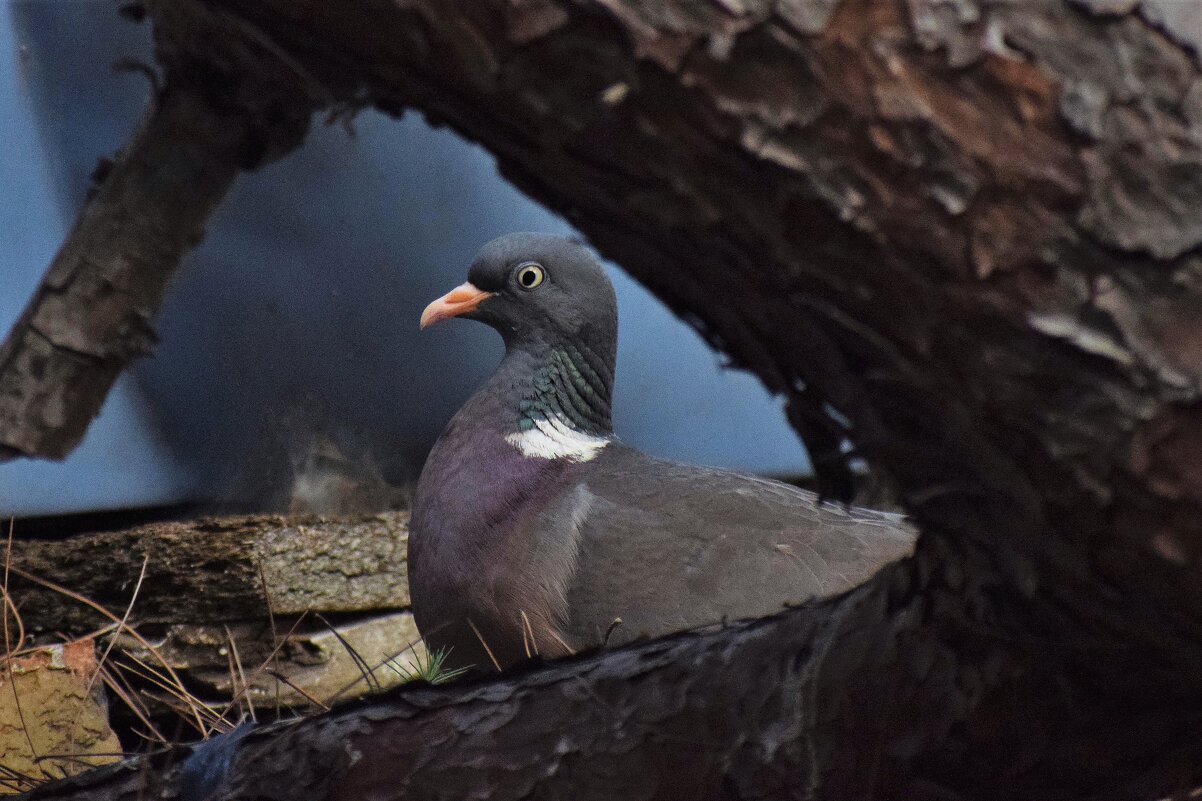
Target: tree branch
x,y
91,314
660,720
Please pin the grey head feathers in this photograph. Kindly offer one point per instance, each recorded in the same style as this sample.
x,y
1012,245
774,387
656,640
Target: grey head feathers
x,y
555,309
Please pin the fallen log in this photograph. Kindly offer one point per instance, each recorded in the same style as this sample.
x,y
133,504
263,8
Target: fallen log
x,y
216,570
315,609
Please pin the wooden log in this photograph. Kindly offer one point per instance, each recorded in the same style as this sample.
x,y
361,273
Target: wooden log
x,y
288,666
217,570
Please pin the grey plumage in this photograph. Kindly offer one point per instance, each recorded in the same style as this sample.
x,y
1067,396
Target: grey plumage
x,y
685,546
534,529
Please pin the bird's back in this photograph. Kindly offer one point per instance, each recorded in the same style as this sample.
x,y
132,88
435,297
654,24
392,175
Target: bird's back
x,y
665,547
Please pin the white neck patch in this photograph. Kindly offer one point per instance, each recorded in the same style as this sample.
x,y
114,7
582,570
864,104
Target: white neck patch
x,y
554,439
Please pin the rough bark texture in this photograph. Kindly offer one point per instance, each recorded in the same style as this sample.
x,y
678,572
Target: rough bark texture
x,y
645,723
353,656
92,312
332,585
217,570
965,236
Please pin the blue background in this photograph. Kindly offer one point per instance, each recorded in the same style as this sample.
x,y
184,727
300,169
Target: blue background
x,y
296,319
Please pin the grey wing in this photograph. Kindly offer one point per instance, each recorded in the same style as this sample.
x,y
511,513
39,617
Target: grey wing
x,y
694,546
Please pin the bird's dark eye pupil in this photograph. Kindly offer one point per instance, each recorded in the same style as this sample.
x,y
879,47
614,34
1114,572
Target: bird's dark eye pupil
x,y
530,276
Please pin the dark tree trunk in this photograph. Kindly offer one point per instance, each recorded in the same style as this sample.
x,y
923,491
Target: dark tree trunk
x,y
965,237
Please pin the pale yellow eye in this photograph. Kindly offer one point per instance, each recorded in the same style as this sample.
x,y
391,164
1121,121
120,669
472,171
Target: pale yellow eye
x,y
530,275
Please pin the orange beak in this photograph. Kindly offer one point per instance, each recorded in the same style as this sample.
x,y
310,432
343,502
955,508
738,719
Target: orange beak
x,y
460,300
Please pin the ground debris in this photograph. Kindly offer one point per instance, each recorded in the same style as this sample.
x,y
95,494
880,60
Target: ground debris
x,y
53,715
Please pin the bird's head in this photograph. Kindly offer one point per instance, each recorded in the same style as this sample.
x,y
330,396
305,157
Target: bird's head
x,y
535,289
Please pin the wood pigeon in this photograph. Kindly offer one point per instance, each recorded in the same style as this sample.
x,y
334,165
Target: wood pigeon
x,y
536,532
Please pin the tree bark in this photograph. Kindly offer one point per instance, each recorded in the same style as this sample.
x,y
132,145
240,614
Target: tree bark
x,y
965,237
217,570
91,314
660,721
335,590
